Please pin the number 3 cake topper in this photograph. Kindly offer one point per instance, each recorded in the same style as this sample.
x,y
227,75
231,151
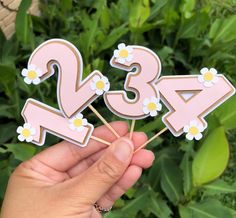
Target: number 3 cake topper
x,y
189,98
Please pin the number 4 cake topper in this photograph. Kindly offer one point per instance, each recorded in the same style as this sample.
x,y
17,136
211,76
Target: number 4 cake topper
x,y
189,98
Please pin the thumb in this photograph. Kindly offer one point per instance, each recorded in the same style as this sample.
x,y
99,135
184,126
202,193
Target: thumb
x,y
101,176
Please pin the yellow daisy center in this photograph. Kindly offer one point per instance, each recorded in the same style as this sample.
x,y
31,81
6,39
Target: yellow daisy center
x,y
100,85
152,106
193,130
78,122
25,133
123,53
208,76
32,74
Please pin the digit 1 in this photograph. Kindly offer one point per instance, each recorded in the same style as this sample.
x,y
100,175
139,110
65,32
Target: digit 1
x,y
47,119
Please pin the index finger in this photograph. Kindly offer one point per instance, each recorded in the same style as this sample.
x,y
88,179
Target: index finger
x,y
65,155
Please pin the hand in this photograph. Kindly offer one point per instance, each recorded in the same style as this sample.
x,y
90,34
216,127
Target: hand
x,y
65,181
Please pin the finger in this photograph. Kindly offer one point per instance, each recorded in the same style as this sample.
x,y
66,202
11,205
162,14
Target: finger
x,y
102,175
129,178
144,158
138,138
65,155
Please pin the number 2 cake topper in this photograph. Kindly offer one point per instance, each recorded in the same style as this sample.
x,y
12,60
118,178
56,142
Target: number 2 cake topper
x,y
189,98
73,94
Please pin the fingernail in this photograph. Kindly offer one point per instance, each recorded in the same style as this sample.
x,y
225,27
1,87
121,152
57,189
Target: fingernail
x,y
123,148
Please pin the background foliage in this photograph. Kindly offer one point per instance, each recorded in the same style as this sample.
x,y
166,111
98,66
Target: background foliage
x,y
188,179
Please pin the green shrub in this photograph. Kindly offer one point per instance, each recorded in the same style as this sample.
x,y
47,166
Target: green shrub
x,y
187,178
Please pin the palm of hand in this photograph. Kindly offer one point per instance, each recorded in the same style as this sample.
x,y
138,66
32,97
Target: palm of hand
x,y
66,180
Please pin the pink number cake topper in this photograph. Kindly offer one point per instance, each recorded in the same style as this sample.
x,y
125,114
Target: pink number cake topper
x,y
189,98
73,94
141,82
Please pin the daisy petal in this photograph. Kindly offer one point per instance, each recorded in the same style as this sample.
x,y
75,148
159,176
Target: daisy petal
x,y
215,80
146,101
121,45
32,131
96,78
27,80
72,127
36,81
24,72
204,70
129,49
208,84
200,78
213,70
121,60
21,138
186,128
153,113
19,129
159,107
129,58
79,115
189,136
145,110
27,125
198,136
104,79
84,122
116,53
29,139
31,67
93,86
99,92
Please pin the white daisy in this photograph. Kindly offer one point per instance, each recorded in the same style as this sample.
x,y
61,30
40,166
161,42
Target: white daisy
x,y
194,130
208,77
31,75
151,106
78,122
123,53
26,132
100,84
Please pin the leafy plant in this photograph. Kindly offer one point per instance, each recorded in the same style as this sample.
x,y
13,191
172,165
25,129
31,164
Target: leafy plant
x,y
188,179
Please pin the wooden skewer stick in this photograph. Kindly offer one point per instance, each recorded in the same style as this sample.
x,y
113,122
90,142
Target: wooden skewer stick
x,y
104,121
132,129
151,139
100,140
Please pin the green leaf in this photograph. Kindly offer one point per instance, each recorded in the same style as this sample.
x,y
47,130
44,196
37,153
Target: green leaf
x,y
4,176
223,30
153,125
219,187
212,158
139,13
171,180
159,207
21,151
23,30
8,131
186,167
207,209
159,4
187,7
114,36
226,113
191,27
7,74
